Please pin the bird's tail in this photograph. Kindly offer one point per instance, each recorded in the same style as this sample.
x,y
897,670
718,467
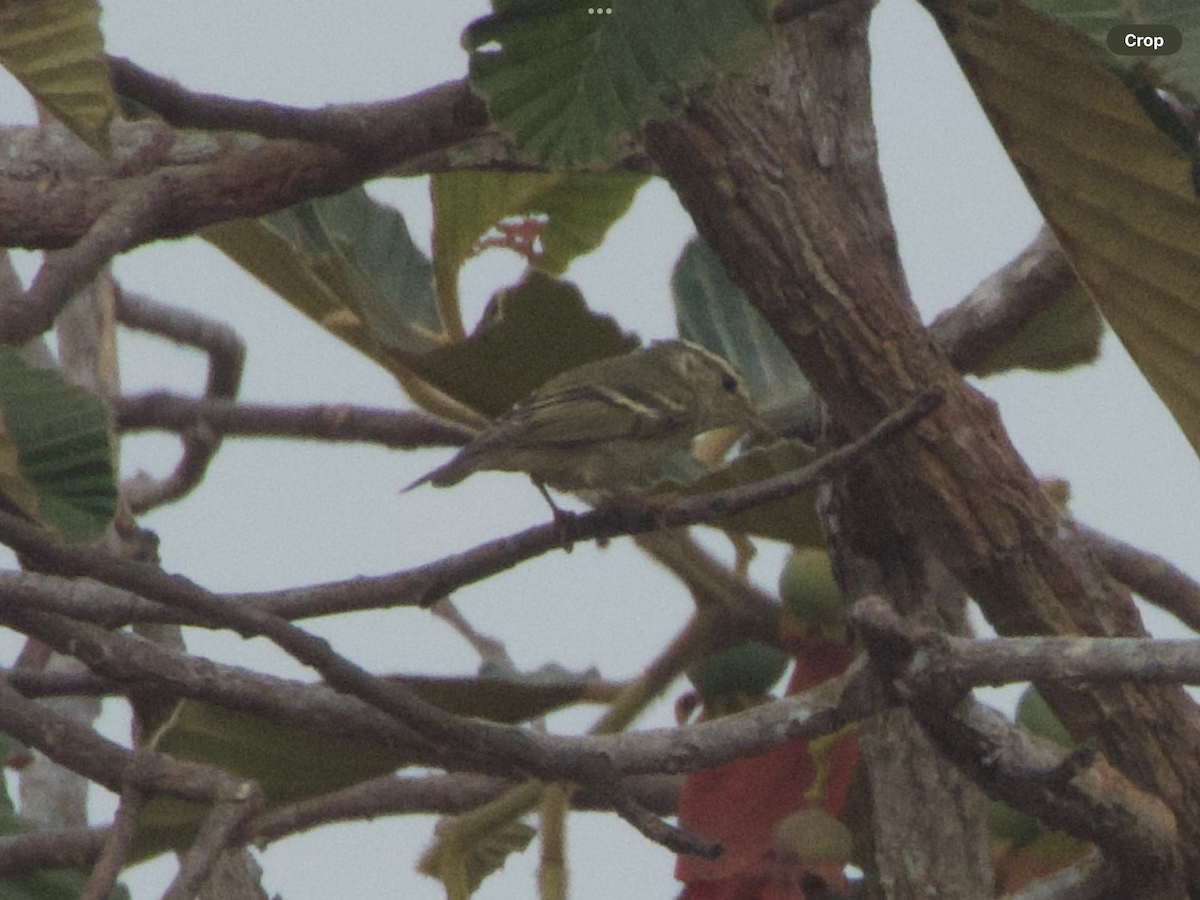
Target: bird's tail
x,y
451,473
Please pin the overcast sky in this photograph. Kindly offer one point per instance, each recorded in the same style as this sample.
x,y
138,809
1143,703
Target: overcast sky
x,y
272,514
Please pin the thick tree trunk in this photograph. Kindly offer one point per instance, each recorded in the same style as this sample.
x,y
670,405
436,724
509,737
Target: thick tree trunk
x,y
781,176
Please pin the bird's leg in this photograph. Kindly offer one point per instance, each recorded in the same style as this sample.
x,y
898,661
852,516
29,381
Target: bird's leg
x,y
561,519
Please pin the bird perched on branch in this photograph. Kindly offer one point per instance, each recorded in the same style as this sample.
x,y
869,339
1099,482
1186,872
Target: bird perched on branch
x,y
611,425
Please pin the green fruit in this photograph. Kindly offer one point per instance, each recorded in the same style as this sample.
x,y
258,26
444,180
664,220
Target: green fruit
x,y
750,669
1012,825
811,596
1035,714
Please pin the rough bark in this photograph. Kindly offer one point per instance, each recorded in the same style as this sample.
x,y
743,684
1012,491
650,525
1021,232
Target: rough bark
x,y
780,174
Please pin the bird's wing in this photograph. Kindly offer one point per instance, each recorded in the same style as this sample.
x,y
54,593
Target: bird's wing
x,y
588,414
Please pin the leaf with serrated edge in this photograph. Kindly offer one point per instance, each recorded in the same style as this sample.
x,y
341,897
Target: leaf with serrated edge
x,y
62,437
1116,190
55,48
574,89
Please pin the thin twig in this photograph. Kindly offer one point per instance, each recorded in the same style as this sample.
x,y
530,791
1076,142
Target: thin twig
x,y
1080,794
72,848
425,585
116,845
352,124
218,834
226,357
1151,576
131,220
400,429
492,652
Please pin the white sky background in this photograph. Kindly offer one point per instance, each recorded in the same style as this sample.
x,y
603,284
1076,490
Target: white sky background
x,y
274,514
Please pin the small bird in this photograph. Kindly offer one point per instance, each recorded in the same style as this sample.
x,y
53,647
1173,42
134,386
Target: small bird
x,y
610,425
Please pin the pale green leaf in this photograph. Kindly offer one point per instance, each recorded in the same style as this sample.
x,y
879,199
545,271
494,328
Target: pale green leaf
x,y
55,48
463,862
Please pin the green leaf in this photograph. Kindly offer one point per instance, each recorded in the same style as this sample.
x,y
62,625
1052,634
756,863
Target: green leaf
x,y
1094,19
794,520
292,762
1065,334
578,210
575,89
508,698
15,489
1115,188
348,263
463,862
712,311
289,762
44,884
55,48
62,437
529,333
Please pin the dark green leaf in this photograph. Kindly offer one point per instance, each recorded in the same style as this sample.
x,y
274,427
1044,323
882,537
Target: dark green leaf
x,y
575,88
713,312
348,263
1064,335
62,437
529,334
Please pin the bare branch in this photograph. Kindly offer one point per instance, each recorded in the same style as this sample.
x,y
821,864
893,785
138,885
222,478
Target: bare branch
x,y
822,710
131,219
226,358
1009,660
389,428
81,750
210,178
116,846
427,584
350,125
73,848
59,684
217,834
1077,792
1151,576
1003,303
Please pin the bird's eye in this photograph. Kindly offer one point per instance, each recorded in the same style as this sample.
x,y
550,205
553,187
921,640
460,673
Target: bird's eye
x,y
729,383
